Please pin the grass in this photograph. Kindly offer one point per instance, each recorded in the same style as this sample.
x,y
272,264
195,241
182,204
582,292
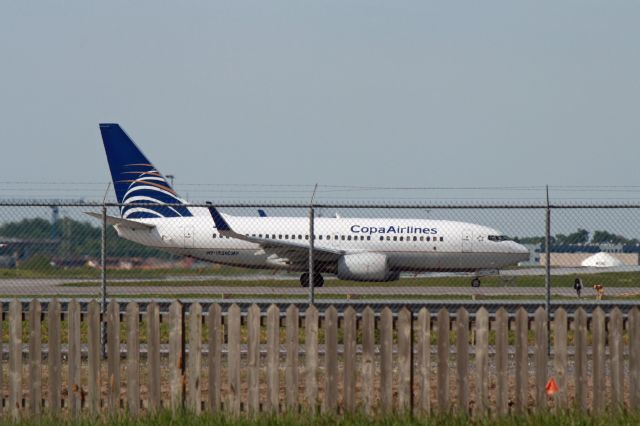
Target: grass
x,y
166,418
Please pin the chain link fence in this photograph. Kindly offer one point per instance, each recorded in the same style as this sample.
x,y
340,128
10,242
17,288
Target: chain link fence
x,y
377,252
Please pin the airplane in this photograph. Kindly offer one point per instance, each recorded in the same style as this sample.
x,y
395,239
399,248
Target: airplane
x,y
357,249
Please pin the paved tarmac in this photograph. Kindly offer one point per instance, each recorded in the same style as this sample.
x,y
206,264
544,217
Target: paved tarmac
x,y
34,287
120,286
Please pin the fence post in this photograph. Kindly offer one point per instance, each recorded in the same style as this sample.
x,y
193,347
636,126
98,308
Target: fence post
x,y
176,355
482,361
405,361
522,358
349,387
541,357
443,361
54,358
233,358
95,353
74,359
616,346
291,369
581,359
462,362
1,363
331,360
598,331
502,359
15,358
113,357
386,360
35,358
253,359
273,358
153,355
195,358
311,357
423,340
368,362
547,269
103,277
634,358
311,244
215,349
133,358
560,356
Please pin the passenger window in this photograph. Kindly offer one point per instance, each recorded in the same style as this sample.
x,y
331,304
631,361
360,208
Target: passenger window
x,y
320,237
273,236
381,238
415,238
342,237
421,238
368,237
428,238
395,238
214,235
306,237
388,238
401,238
328,237
299,237
349,237
441,238
362,237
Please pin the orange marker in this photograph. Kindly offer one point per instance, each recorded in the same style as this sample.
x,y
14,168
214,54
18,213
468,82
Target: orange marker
x,y
551,387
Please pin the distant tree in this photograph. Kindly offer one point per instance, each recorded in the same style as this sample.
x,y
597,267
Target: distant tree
x,y
581,236
76,239
604,237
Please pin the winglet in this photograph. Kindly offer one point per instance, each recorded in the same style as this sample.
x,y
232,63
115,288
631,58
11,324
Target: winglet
x,y
221,224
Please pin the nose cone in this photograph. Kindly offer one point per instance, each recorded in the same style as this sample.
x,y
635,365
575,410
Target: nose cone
x,y
521,250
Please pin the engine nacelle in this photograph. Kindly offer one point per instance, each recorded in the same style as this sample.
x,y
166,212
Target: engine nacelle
x,y
365,267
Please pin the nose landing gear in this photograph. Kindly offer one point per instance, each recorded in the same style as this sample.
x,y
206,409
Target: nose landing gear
x,y
318,281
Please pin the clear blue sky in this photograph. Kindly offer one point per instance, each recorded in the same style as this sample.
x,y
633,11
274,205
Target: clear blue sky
x,y
395,93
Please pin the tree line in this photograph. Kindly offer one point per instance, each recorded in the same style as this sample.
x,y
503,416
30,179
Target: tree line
x,y
581,236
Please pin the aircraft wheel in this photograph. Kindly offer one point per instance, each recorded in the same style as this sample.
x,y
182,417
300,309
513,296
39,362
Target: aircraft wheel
x,y
304,279
475,282
318,281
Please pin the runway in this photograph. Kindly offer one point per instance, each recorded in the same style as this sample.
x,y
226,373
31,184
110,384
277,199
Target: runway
x,y
180,285
50,287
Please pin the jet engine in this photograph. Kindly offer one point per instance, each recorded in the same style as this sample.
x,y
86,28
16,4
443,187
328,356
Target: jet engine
x,y
365,267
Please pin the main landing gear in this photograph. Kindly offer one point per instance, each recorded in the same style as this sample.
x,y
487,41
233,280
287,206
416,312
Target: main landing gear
x,y
318,281
475,282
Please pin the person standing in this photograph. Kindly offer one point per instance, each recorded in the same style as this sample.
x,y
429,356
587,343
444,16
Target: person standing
x,y
577,285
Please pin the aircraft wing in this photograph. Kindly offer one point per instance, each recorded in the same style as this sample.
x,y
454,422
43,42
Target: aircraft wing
x,y
287,250
127,223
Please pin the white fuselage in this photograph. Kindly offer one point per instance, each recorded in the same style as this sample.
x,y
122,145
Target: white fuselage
x,y
409,244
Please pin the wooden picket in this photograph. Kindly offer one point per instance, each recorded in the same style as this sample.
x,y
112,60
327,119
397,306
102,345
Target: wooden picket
x,y
343,360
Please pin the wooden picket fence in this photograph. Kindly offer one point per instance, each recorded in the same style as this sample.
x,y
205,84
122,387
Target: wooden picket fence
x,y
333,362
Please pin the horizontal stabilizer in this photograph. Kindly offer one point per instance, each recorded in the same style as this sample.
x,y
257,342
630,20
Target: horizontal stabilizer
x,y
128,223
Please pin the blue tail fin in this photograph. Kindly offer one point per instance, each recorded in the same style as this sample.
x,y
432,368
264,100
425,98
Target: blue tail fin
x,y
136,180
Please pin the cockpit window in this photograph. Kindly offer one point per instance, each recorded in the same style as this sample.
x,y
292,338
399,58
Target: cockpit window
x,y
498,238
